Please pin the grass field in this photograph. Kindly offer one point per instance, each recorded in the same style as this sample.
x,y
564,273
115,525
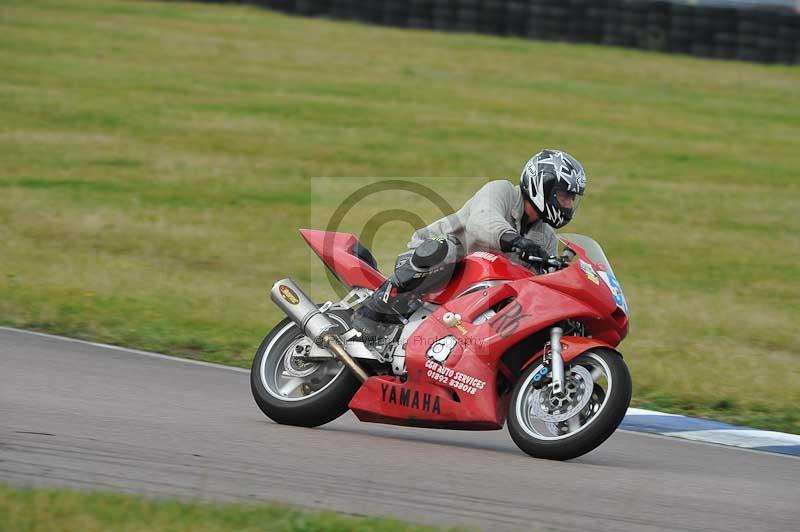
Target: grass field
x,y
58,510
156,158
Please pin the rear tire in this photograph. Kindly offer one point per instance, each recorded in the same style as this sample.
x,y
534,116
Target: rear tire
x,y
268,376
594,421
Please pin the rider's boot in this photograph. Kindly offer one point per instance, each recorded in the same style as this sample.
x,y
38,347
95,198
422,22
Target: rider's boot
x,y
379,315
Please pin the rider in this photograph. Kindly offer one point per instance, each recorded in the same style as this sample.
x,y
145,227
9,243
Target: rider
x,y
499,217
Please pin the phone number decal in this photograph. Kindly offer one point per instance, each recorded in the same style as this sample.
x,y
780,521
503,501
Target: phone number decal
x,y
454,379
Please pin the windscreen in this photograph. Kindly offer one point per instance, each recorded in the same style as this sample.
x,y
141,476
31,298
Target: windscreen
x,y
590,246
595,253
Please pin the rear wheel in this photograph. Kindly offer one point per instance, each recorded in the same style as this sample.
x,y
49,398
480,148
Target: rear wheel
x,y
564,426
294,391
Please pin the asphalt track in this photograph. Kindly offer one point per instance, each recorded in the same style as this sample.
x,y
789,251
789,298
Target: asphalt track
x,y
94,417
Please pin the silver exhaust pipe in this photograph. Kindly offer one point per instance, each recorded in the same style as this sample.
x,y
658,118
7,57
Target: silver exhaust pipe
x,y
314,324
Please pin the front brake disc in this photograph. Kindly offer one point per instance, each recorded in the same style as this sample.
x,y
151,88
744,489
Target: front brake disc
x,y
555,408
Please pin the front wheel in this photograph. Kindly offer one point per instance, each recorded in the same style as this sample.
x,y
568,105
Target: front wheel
x,y
294,391
597,392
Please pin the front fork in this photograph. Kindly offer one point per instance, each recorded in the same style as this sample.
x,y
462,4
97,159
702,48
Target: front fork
x,y
556,361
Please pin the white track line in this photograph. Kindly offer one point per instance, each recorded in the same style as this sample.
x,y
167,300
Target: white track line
x,y
127,350
742,438
662,436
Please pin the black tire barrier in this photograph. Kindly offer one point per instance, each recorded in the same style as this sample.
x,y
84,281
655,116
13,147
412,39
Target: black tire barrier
x,y
368,11
395,13
767,35
467,15
516,17
444,13
312,8
420,14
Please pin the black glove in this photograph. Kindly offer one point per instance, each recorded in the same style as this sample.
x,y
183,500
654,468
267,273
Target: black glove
x,y
526,247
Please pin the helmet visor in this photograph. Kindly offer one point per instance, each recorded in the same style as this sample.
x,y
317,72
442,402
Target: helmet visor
x,y
567,201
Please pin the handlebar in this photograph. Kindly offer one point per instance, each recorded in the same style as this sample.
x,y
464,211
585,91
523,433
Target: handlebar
x,y
551,262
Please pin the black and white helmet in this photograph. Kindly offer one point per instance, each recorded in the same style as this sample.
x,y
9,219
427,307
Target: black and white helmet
x,y
554,182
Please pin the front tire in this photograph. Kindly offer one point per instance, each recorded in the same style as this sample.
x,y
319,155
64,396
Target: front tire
x,y
597,396
293,392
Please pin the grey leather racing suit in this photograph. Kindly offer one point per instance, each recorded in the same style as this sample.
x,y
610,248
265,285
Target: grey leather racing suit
x,y
497,208
435,251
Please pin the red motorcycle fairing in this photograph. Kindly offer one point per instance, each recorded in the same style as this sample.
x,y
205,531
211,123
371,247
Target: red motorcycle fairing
x,y
336,251
464,386
571,347
386,399
476,268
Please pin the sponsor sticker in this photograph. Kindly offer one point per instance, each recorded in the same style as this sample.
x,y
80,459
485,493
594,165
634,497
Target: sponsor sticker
x,y
491,257
458,380
507,321
616,290
288,294
441,349
590,273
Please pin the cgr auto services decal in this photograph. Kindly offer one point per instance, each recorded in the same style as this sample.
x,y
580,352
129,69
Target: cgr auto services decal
x,y
457,380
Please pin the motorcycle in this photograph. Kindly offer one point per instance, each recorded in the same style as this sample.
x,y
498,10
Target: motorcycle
x,y
531,343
